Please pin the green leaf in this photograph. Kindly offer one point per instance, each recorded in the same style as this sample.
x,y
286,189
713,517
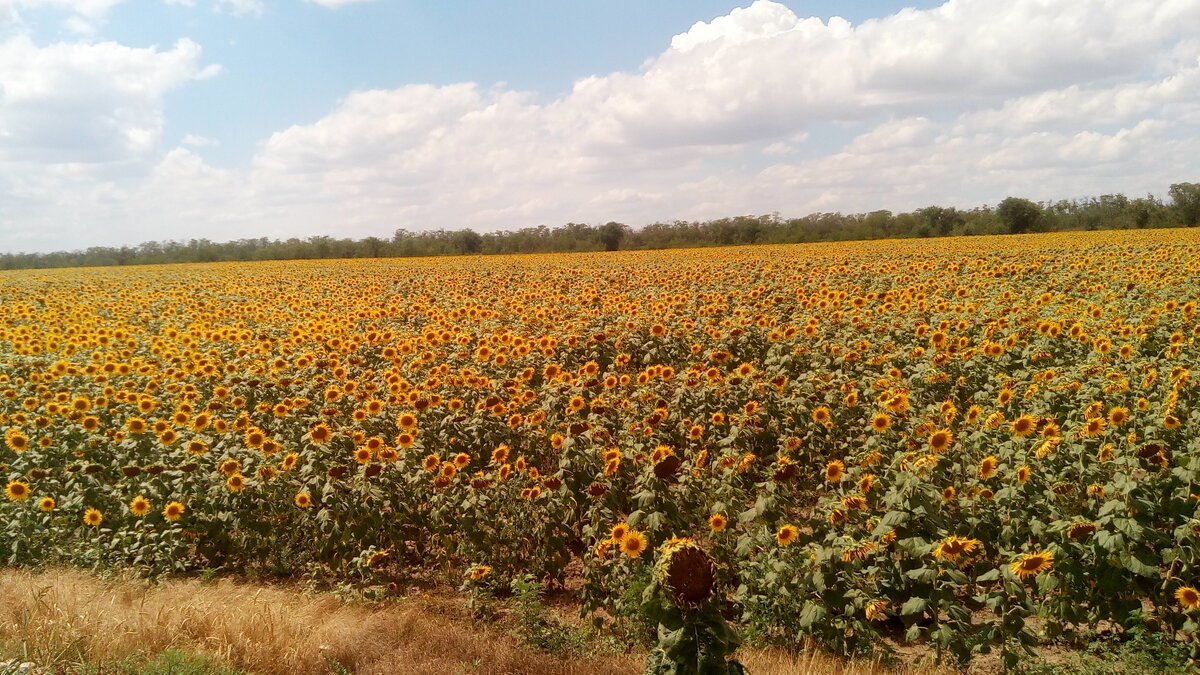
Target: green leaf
x,y
990,575
811,614
913,606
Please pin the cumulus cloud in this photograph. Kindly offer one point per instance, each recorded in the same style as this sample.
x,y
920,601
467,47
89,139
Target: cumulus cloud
x,y
756,111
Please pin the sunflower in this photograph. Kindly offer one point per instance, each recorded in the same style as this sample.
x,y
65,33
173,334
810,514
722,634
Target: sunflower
x,y
618,531
302,500
866,482
1170,422
834,471
1188,597
289,461
717,522
1023,473
139,506
881,422
940,440
406,420
954,546
633,544
1023,426
254,437
46,504
235,482
1093,427
173,510
853,502
1080,530
987,467
16,490
858,552
320,433
1118,416
820,415
786,535
1031,564
93,517
875,610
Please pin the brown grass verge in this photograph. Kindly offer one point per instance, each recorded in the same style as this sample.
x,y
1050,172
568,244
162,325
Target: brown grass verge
x,y
63,617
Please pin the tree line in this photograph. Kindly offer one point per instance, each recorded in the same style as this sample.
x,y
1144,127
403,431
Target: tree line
x,y
1014,215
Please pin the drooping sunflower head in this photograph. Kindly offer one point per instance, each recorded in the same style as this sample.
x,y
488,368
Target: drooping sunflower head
x,y
686,573
953,547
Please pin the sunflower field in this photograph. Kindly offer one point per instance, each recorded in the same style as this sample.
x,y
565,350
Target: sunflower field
x,y
974,443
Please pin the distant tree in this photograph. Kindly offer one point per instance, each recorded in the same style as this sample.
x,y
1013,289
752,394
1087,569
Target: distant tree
x,y
467,242
1018,215
1185,199
941,219
612,234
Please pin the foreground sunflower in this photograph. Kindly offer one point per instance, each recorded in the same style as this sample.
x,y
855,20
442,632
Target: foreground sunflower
x,y
1032,564
786,535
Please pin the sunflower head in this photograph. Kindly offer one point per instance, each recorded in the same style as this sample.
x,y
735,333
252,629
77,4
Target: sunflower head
x,y
92,517
139,506
685,572
17,491
1032,564
1188,597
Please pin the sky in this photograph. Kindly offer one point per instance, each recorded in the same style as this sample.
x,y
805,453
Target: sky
x,y
124,121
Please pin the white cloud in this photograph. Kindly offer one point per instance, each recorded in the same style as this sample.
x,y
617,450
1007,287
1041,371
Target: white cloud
x,y
89,103
963,104
196,141
241,7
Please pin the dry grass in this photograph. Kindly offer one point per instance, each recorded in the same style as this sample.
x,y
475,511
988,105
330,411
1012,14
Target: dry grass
x,y
68,617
